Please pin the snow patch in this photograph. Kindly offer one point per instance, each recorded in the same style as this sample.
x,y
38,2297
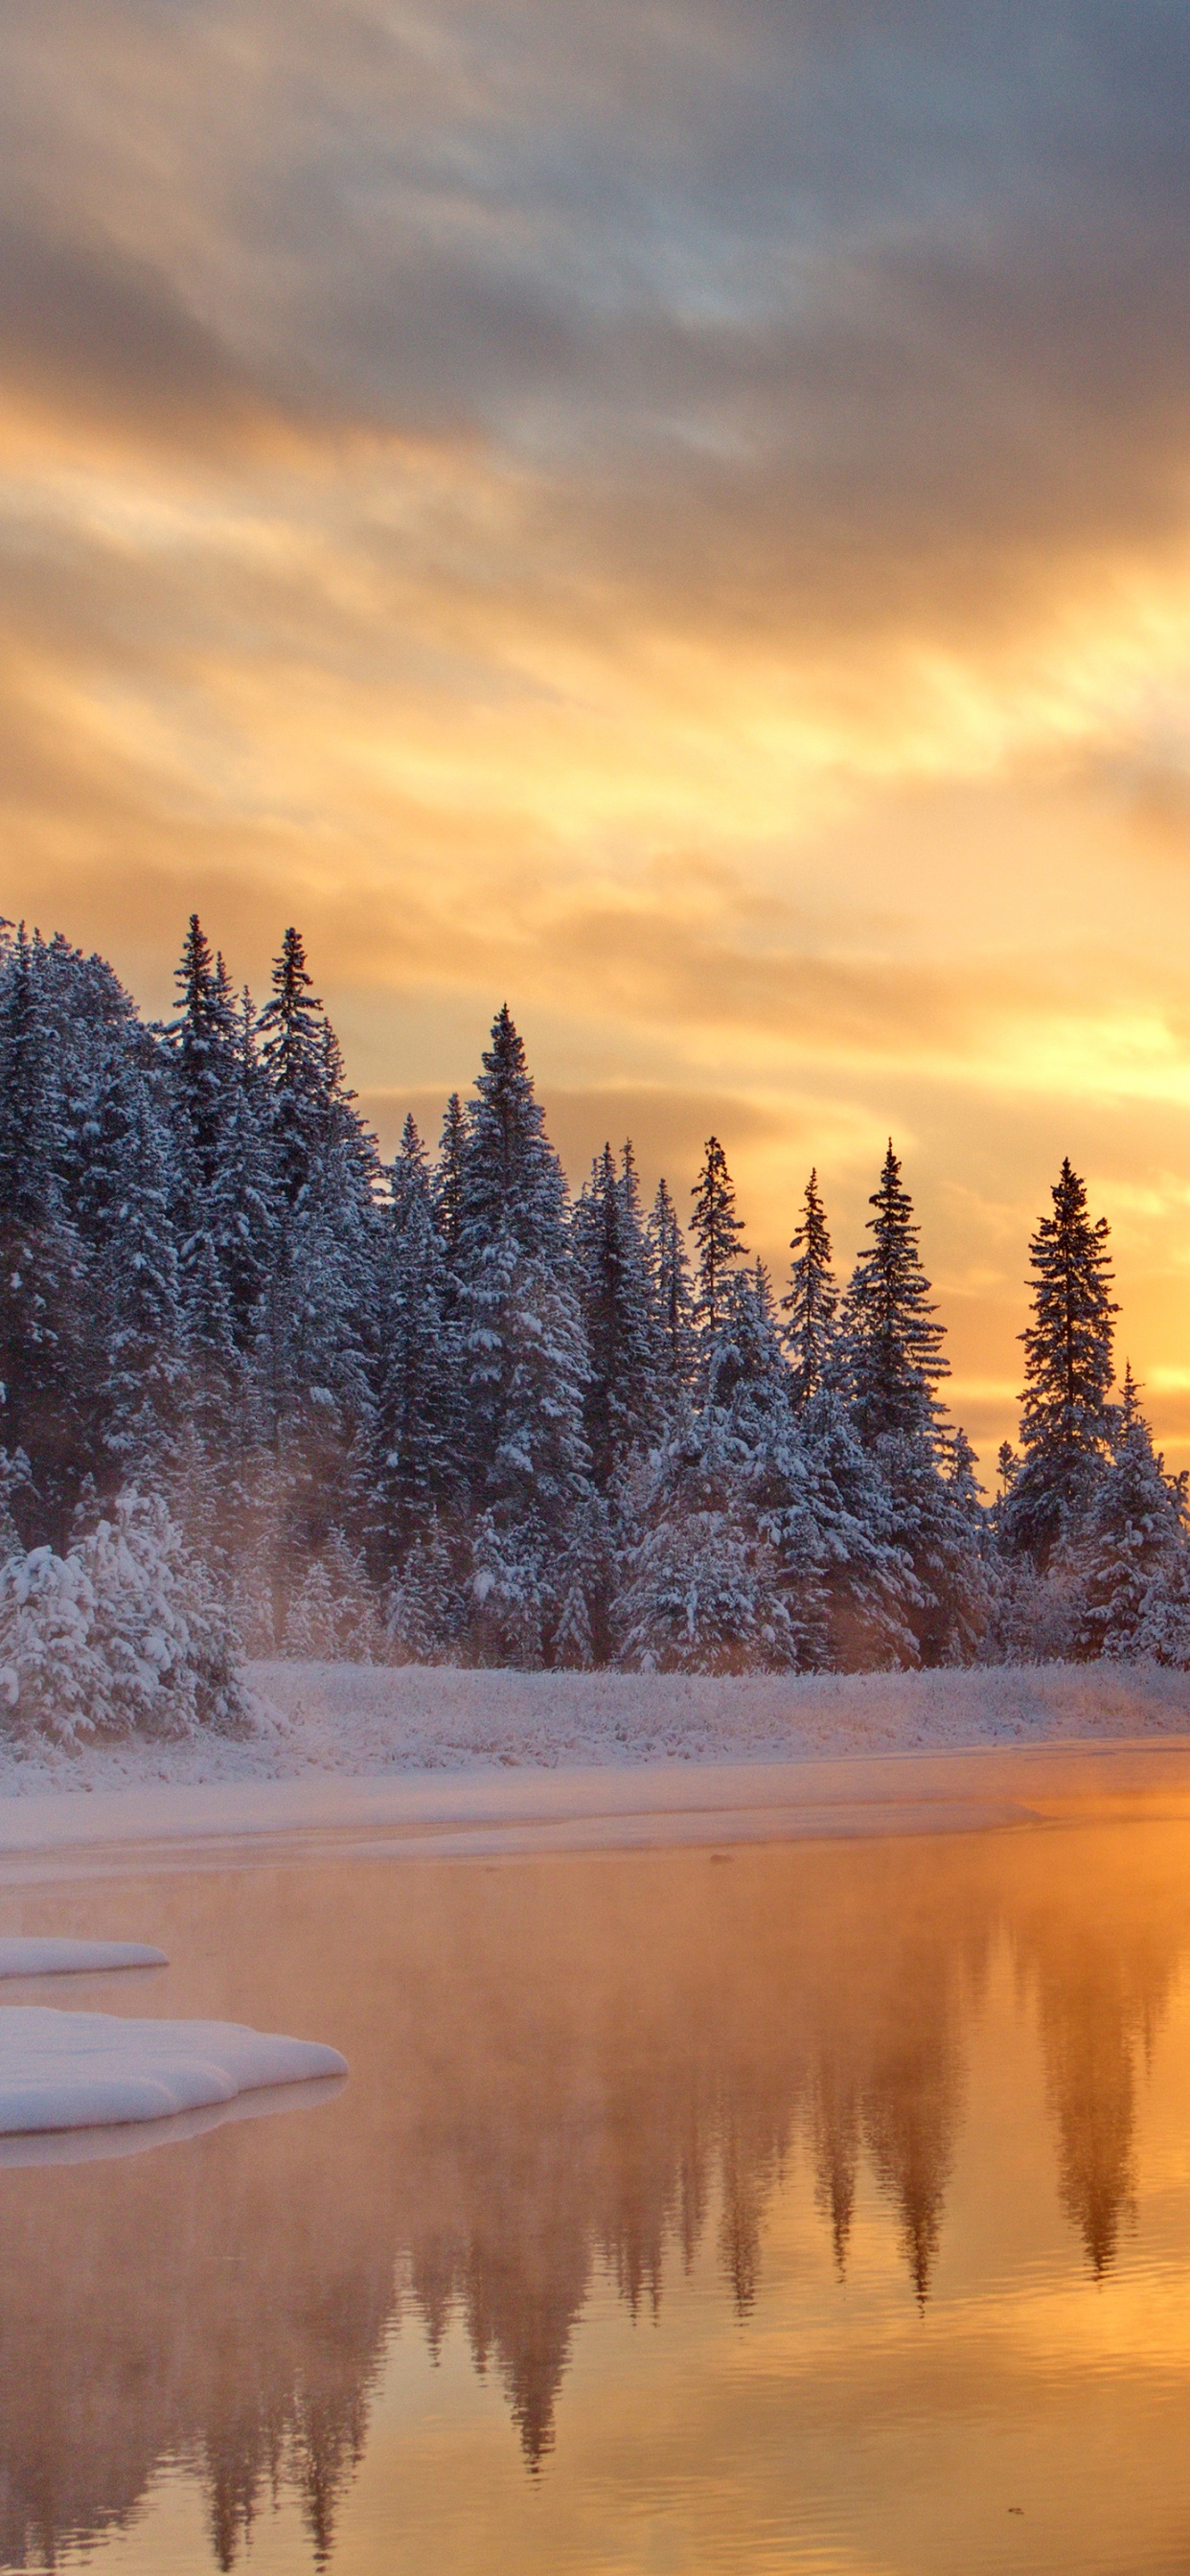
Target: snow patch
x,y
30,1957
75,2070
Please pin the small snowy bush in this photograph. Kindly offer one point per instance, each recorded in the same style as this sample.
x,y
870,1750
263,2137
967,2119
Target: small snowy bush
x,y
333,1617
123,1635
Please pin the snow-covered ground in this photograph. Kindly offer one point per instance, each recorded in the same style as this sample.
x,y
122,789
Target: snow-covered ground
x,y
443,1762
363,1720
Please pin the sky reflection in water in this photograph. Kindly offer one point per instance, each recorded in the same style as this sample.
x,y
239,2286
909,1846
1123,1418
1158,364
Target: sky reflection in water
x,y
805,2208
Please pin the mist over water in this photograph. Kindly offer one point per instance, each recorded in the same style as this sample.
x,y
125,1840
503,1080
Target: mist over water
x,y
791,2207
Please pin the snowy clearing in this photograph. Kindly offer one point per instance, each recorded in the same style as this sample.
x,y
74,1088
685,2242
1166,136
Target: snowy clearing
x,y
25,1956
364,1720
76,2070
425,1762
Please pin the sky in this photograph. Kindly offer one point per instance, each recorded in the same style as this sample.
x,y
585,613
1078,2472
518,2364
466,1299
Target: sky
x,y
675,515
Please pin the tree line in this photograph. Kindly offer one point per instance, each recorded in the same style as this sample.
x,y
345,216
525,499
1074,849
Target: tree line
x,y
286,1396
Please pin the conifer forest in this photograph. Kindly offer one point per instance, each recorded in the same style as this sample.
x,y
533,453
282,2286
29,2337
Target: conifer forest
x,y
263,1394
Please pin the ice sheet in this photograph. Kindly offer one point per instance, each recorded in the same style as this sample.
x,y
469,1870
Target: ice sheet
x,y
29,1957
74,2070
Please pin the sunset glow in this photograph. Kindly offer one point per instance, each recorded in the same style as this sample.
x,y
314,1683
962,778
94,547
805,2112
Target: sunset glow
x,y
677,520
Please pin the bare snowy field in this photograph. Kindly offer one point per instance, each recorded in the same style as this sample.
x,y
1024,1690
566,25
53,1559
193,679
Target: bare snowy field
x,y
364,1721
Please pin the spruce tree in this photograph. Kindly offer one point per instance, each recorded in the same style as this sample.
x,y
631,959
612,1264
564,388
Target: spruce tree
x,y
1129,1559
414,1424
448,1175
717,1231
813,1300
618,1301
894,1356
1065,1407
317,1323
671,1278
47,1339
525,1363
123,1205
891,1350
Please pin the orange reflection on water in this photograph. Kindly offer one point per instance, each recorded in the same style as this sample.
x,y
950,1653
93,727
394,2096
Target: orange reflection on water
x,y
804,2207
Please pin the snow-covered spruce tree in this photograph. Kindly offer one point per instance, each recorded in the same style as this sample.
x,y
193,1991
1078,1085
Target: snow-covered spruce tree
x,y
428,1606
714,1583
869,1603
448,1175
1126,1571
525,1370
221,1176
627,1362
717,1232
122,1203
223,1482
812,1304
204,1084
892,1360
333,1616
671,1279
312,1364
1065,1408
619,1308
415,1414
46,1339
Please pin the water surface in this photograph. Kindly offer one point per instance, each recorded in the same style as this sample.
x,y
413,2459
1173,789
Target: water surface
x,y
807,2207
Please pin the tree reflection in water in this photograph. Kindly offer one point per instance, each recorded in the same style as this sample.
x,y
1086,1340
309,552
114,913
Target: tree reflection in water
x,y
557,2067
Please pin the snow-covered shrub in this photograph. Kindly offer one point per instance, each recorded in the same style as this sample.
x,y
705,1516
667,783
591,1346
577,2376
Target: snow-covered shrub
x,y
332,1617
707,1598
425,1607
511,1598
123,1635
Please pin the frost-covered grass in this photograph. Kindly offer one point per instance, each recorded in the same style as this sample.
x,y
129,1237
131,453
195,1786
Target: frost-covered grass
x,y
365,1720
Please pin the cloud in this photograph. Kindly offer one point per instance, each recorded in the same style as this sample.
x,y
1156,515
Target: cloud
x,y
677,515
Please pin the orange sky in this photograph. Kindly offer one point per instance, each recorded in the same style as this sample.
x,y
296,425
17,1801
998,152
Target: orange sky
x,y
674,516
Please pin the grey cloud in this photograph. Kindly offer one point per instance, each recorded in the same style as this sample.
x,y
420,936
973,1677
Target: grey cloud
x,y
831,276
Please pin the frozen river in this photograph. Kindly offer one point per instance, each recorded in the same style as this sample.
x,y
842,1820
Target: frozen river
x,y
810,2205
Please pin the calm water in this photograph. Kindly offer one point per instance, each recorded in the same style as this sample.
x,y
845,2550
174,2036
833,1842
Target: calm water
x,y
812,2208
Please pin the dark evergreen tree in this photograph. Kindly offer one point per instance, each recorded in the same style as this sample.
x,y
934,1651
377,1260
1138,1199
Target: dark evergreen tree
x,y
47,1348
448,1175
212,1223
717,1231
293,1053
1129,1558
415,1423
317,1325
892,1360
1065,1408
123,1203
525,1368
893,1347
671,1277
813,1300
619,1308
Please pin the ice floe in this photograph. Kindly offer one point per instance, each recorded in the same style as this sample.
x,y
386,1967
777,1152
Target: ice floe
x,y
31,1956
76,2070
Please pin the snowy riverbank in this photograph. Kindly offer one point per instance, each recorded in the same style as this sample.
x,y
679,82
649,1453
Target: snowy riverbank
x,y
367,1721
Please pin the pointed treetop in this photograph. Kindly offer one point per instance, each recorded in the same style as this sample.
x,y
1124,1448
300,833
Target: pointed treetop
x,y
894,1347
813,1299
448,1172
717,1230
511,1177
